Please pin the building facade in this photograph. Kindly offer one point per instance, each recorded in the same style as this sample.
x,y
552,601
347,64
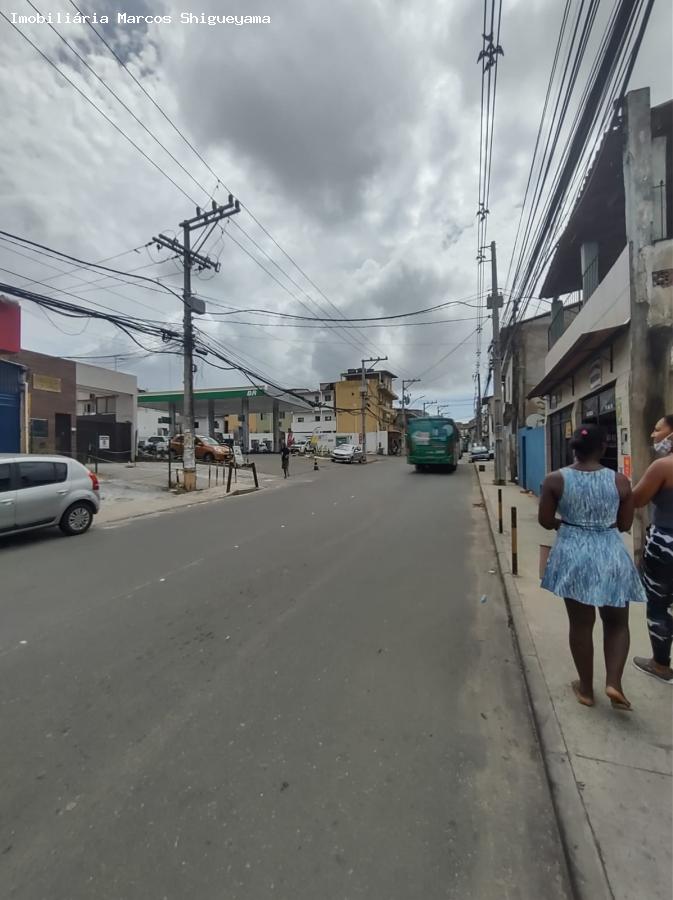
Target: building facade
x,y
610,361
381,424
319,424
47,404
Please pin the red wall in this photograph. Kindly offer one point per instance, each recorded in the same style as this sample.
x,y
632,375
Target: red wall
x,y
10,326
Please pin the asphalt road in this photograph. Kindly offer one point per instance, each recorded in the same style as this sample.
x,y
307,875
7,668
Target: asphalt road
x,y
309,693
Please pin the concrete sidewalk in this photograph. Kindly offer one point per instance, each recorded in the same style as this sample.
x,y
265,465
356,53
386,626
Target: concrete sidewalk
x,y
141,490
610,772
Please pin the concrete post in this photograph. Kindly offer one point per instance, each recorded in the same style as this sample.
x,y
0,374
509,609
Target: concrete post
x,y
211,418
647,369
245,425
276,427
172,416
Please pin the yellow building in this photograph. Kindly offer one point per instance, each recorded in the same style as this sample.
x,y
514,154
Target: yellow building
x,y
379,412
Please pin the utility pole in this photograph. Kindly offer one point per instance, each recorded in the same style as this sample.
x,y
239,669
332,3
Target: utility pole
x,y
405,382
478,410
192,305
427,403
494,304
363,393
651,314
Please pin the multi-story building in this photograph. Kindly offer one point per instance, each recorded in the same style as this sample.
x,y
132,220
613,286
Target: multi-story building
x,y
525,347
381,425
610,362
319,424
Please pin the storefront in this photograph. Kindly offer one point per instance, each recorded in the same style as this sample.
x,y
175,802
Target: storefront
x,y
600,408
560,433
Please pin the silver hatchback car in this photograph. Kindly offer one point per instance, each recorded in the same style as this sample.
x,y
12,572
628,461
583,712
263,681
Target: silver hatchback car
x,y
42,491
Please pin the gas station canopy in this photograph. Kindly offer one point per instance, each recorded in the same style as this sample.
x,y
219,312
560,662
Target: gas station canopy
x,y
225,401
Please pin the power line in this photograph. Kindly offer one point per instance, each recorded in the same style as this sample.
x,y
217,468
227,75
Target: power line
x,y
214,174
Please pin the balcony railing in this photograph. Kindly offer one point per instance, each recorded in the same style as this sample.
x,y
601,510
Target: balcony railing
x,y
590,279
562,317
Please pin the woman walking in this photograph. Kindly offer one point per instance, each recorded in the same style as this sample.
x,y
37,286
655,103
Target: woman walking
x,y
656,487
285,459
589,565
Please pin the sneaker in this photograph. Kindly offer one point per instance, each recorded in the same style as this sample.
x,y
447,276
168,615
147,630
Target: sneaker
x,y
645,665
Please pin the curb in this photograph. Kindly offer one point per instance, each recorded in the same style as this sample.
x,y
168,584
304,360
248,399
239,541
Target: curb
x,y
587,873
239,492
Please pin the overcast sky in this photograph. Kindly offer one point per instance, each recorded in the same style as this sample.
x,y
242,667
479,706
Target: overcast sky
x,y
350,129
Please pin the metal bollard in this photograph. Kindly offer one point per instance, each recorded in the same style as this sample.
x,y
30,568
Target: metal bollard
x,y
515,553
208,474
500,510
254,474
231,469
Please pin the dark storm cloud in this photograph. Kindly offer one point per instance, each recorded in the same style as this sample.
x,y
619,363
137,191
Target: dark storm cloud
x,y
351,129
127,42
317,100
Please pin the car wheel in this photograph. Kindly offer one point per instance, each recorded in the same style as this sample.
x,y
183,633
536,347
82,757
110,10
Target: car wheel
x,y
452,469
77,518
208,457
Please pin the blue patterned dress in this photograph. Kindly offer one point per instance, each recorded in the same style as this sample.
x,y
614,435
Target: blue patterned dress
x,y
589,562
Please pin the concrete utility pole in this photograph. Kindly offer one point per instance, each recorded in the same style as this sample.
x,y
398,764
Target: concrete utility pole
x,y
363,393
193,305
478,411
494,304
405,382
651,326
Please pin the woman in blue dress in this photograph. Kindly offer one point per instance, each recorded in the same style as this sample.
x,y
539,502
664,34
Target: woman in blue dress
x,y
589,565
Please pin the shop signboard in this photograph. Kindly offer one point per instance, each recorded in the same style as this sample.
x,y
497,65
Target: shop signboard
x,y
596,373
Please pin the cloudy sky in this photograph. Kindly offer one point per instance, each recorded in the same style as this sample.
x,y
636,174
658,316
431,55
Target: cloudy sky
x,y
350,129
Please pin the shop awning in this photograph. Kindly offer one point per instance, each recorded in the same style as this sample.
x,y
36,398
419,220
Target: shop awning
x,y
586,346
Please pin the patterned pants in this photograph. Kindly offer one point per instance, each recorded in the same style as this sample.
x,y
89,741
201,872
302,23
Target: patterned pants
x,y
657,576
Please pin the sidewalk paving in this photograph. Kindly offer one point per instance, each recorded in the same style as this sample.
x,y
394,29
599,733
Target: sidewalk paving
x,y
609,771
140,490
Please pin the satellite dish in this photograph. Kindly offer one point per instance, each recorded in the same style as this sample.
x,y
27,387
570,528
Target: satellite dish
x,y
535,420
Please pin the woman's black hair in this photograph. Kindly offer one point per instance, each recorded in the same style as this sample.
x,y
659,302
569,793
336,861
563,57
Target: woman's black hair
x,y
669,421
588,440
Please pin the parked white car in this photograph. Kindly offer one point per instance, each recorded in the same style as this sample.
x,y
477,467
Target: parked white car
x,y
157,443
43,491
302,447
479,453
347,453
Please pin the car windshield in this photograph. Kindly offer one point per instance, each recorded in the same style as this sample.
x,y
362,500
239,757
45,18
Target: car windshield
x,y
207,440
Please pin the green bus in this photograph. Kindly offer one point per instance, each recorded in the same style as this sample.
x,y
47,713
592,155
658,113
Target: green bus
x,y
433,442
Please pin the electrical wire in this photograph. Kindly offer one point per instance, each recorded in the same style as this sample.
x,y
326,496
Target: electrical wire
x,y
212,172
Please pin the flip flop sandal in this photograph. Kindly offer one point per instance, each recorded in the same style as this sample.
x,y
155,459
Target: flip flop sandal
x,y
618,701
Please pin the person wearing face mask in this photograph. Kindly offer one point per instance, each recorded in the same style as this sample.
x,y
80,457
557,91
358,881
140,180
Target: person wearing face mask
x,y
656,487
